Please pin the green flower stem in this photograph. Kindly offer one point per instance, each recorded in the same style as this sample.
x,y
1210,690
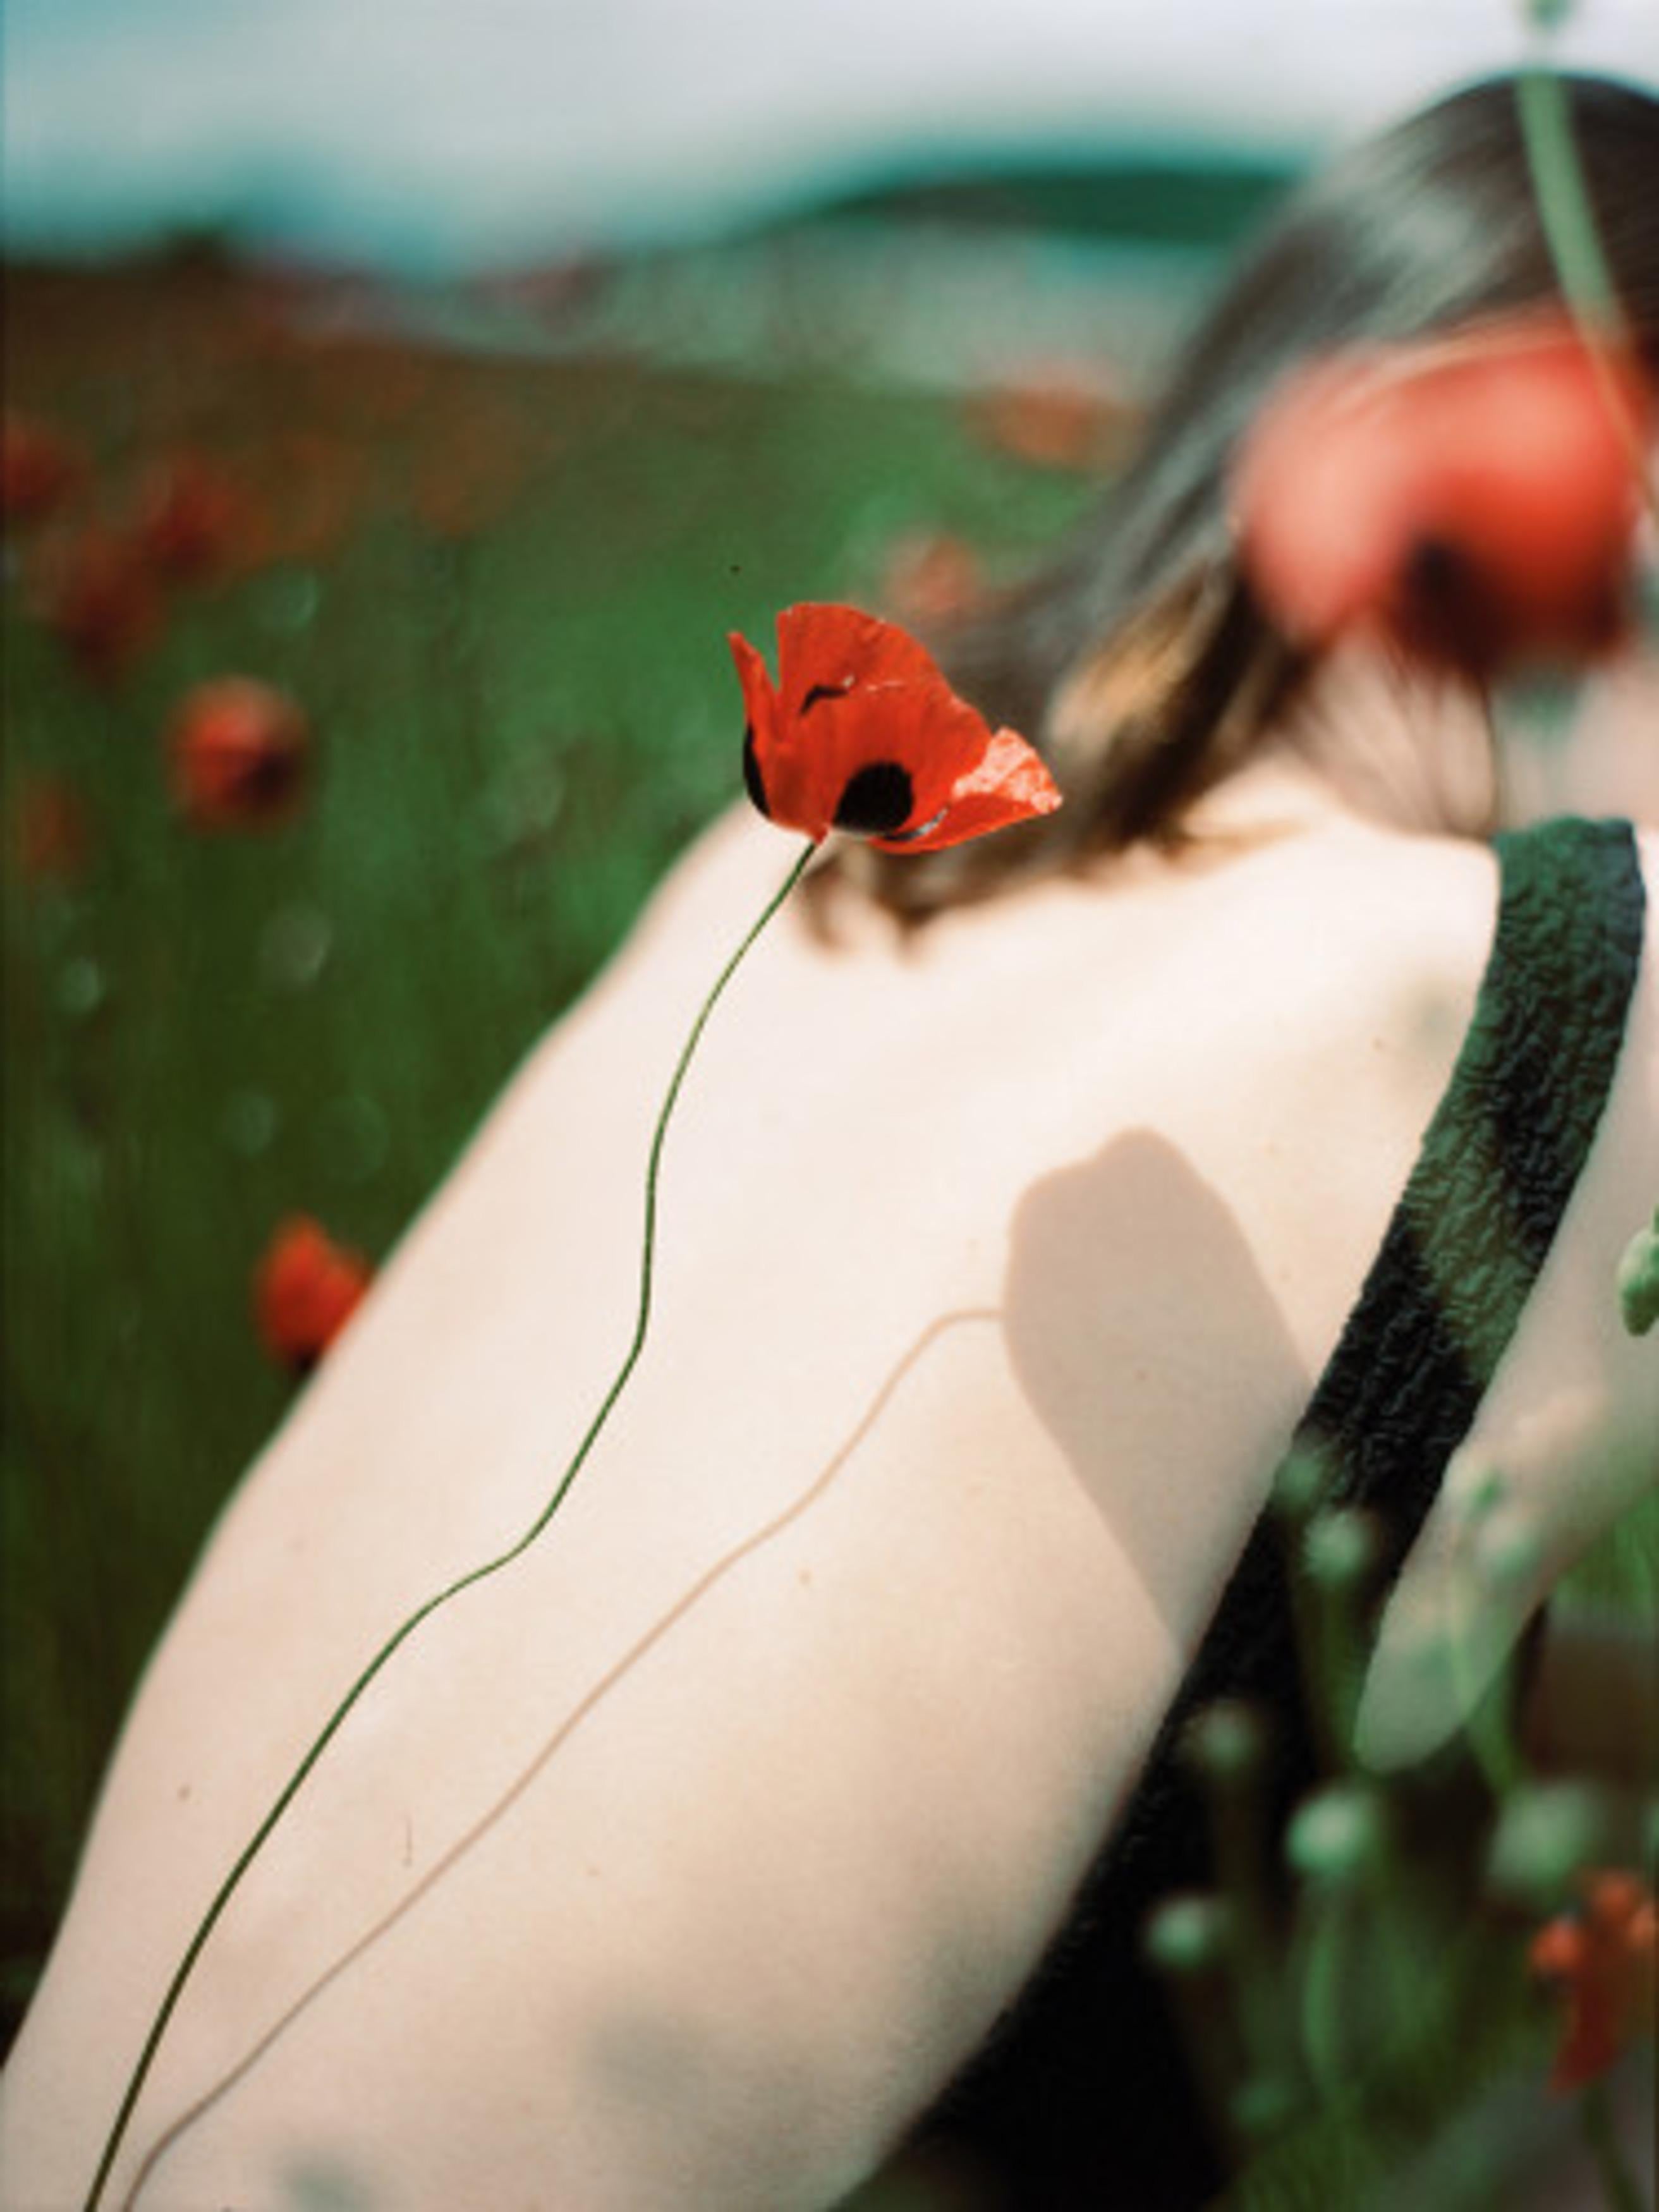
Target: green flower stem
x,y
1564,204
1573,239
331,1727
1619,2184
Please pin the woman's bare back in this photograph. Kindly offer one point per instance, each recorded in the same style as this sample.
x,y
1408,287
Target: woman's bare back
x,y
681,1863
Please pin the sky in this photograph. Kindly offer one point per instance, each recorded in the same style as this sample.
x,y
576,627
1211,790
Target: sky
x,y
447,133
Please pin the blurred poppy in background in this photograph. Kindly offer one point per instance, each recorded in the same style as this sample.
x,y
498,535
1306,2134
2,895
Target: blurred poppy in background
x,y
1602,1960
305,1288
51,840
932,576
1059,417
102,602
188,518
239,754
38,468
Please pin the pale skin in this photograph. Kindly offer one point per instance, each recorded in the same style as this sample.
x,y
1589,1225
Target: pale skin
x,y
994,1272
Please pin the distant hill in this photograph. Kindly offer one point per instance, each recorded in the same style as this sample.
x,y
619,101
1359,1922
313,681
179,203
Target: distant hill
x,y
1204,202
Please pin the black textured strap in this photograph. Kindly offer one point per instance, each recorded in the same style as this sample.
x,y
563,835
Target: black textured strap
x,y
1080,2096
1500,1161
1501,1158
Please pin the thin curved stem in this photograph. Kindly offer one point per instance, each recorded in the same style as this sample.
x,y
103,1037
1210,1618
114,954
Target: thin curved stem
x,y
1567,217
400,1636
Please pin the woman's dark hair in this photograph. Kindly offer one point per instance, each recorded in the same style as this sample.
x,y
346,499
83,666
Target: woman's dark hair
x,y
1138,662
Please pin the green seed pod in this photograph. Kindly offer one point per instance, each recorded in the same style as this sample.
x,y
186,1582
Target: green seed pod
x,y
1638,1279
1338,1836
1226,1741
1545,1834
1300,1484
1341,1548
1187,1934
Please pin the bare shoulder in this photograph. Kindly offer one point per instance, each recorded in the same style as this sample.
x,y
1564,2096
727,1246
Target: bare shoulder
x,y
994,1264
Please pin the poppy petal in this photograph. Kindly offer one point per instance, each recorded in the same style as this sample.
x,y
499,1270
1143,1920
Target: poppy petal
x,y
1009,784
760,708
1472,500
830,650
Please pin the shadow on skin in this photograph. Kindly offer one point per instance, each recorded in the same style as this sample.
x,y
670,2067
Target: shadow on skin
x,y
1146,1340
711,1577
1143,1383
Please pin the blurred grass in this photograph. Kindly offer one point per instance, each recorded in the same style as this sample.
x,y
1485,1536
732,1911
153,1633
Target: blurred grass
x,y
500,591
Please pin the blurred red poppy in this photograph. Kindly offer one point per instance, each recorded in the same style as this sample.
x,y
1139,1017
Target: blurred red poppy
x,y
104,604
1061,416
1473,501
239,752
38,468
862,733
1601,1959
51,837
932,576
305,1288
188,518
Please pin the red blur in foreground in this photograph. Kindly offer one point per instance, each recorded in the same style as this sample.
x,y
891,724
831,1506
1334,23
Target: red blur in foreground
x,y
1471,501
862,733
1602,1960
239,750
305,1288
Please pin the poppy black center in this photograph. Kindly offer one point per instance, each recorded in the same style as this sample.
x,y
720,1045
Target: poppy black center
x,y
876,800
1436,567
269,777
1449,605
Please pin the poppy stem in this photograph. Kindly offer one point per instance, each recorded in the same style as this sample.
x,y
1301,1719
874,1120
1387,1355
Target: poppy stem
x,y
1573,242
1619,2187
400,1636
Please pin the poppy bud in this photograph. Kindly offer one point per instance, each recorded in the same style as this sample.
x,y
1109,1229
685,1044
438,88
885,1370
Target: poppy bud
x,y
305,1288
1472,500
239,750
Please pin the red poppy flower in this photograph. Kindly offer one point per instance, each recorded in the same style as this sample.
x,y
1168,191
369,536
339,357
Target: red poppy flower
x,y
239,750
1602,1961
1473,501
863,733
305,1288
188,519
105,605
38,468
